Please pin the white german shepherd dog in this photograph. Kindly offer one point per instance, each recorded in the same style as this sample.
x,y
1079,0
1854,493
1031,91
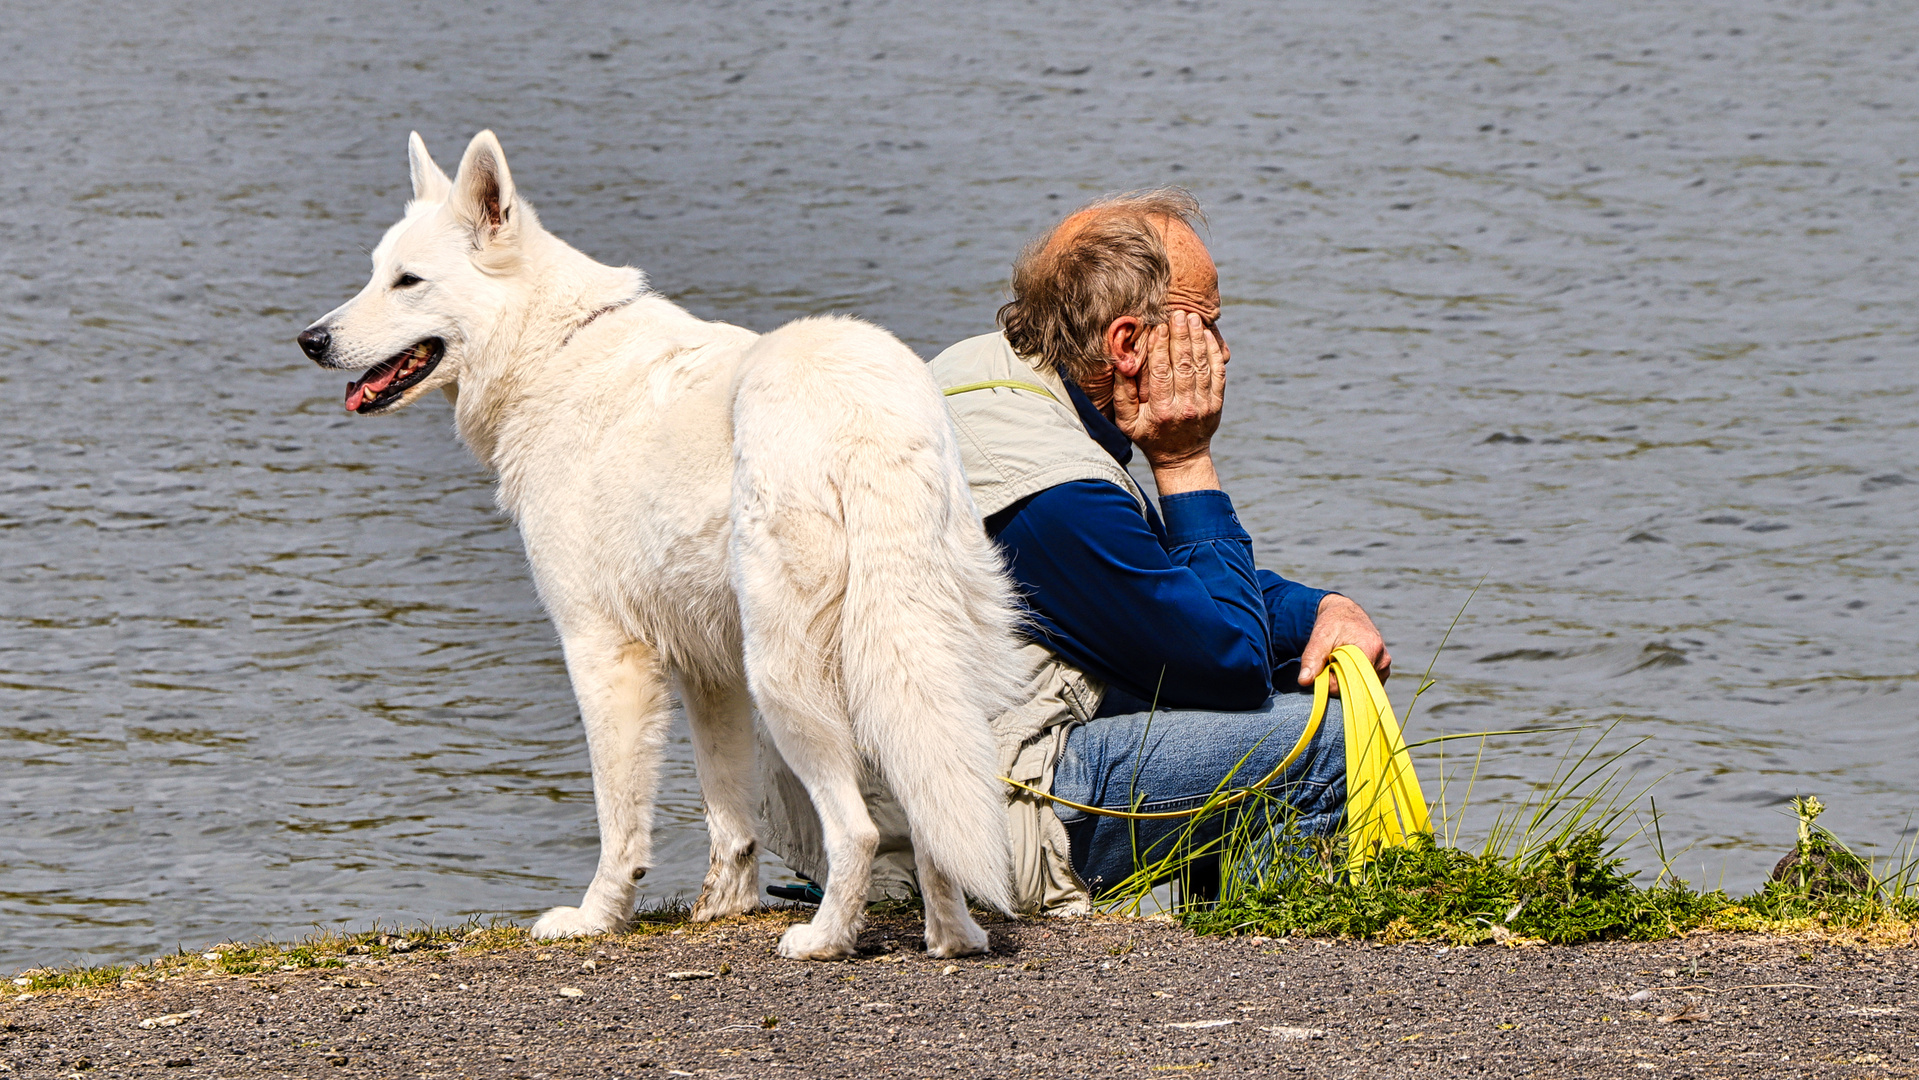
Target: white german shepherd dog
x,y
777,520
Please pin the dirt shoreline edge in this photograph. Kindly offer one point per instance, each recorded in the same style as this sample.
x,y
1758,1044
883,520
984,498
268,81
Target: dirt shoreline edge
x,y
1056,998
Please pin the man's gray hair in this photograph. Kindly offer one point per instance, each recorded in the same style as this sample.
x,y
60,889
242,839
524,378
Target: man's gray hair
x,y
1068,287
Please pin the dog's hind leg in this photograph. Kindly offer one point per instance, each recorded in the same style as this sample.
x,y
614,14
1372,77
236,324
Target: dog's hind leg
x,y
624,702
725,751
824,758
790,578
950,929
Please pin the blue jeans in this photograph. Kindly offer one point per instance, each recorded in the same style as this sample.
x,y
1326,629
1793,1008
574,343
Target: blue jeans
x,y
1174,760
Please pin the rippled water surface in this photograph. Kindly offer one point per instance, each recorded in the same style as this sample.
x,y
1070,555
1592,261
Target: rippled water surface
x,y
1606,304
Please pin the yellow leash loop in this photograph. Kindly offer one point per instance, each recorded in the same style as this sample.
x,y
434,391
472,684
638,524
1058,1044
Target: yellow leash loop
x,y
1007,383
1384,803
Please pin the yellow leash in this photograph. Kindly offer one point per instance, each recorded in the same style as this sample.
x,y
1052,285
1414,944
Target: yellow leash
x,y
1384,803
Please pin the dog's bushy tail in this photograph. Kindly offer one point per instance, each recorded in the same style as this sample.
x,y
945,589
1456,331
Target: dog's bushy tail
x,y
928,652
853,498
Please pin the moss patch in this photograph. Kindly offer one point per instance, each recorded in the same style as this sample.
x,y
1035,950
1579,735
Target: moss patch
x,y
425,944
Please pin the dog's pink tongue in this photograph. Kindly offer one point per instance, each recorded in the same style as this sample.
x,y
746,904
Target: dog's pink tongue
x,y
377,381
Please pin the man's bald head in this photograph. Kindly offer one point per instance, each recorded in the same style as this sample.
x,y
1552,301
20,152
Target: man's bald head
x,y
1106,260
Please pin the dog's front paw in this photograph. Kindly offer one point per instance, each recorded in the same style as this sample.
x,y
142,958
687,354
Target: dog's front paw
x,y
966,939
809,942
569,922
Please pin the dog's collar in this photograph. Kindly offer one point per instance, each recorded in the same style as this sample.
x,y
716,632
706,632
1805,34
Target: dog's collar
x,y
588,321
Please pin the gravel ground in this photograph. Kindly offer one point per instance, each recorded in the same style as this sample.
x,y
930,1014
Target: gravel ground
x,y
1091,998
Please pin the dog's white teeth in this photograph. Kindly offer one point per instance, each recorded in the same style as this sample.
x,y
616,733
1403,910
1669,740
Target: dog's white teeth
x,y
413,359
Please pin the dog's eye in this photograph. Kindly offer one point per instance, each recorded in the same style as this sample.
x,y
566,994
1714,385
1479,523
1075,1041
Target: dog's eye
x,y
406,281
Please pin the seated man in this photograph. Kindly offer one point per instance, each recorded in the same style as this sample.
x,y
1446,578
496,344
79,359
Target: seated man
x,y
1161,661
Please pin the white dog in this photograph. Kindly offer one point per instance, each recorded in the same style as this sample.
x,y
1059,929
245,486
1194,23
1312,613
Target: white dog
x,y
777,520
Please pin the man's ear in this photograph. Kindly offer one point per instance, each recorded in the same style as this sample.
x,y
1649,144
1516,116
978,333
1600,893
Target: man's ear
x,y
1125,339
429,183
483,196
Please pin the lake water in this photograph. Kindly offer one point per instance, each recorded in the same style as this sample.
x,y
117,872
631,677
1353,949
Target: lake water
x,y
1608,305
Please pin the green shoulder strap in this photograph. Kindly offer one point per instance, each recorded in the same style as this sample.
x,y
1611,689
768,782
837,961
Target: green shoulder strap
x,y
1007,383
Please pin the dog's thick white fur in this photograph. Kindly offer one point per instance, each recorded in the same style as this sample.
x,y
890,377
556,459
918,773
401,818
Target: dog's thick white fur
x,y
777,521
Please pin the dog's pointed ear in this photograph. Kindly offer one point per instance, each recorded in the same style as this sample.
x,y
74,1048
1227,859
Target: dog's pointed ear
x,y
429,183
483,194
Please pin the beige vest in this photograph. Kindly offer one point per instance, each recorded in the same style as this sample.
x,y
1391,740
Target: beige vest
x,y
1015,440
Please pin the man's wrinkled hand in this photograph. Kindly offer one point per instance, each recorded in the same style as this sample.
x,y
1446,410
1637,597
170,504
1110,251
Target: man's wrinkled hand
x,y
1170,405
1338,622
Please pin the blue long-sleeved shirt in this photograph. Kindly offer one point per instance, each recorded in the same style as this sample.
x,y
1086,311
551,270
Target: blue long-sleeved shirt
x,y
1127,597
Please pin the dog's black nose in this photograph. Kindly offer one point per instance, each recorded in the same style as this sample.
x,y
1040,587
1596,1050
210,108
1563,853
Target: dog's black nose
x,y
315,341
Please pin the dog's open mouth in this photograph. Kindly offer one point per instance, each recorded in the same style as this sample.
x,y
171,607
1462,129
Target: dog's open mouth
x,y
388,379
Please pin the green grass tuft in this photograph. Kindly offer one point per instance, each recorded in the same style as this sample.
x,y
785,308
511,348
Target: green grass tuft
x,y
1562,894
1549,872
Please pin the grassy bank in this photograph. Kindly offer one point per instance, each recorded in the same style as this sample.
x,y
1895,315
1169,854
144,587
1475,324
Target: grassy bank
x,y
1551,871
1563,893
